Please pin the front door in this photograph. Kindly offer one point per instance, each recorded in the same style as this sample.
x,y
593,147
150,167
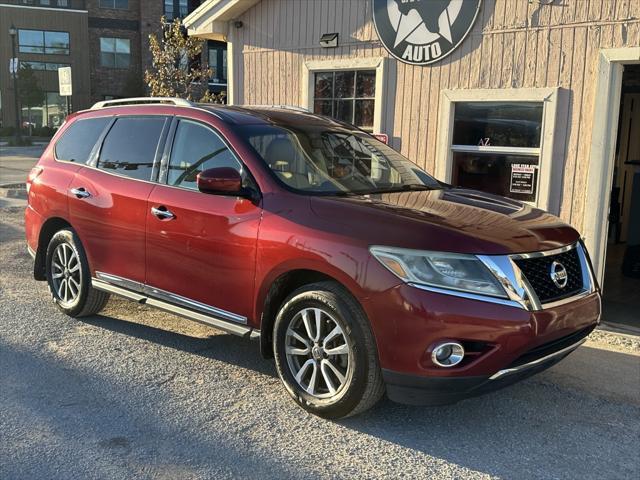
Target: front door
x,y
107,201
201,248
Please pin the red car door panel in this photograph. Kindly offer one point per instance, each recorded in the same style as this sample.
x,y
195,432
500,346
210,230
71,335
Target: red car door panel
x,y
111,222
207,251
108,200
201,247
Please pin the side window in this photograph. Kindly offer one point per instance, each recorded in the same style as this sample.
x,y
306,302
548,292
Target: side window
x,y
197,148
130,146
78,140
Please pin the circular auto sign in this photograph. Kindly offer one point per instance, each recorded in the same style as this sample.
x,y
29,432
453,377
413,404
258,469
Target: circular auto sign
x,y
421,32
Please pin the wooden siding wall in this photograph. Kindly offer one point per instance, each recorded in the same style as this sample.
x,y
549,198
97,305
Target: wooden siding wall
x,y
514,44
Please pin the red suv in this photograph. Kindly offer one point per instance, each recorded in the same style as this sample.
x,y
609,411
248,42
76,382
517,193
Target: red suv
x,y
354,268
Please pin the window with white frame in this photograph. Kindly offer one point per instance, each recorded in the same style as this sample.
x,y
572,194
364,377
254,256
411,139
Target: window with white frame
x,y
495,147
115,52
507,136
346,95
323,85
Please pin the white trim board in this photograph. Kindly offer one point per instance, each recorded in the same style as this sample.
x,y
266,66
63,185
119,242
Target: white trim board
x,y
603,145
548,197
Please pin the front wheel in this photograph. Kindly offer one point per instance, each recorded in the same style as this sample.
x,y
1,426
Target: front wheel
x,y
325,352
69,277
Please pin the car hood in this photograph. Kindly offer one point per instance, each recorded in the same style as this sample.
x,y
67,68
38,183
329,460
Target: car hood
x,y
450,219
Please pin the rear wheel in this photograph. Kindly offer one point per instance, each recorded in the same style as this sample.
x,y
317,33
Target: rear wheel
x,y
325,352
69,277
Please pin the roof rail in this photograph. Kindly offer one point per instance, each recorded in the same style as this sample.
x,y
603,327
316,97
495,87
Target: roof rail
x,y
179,102
284,107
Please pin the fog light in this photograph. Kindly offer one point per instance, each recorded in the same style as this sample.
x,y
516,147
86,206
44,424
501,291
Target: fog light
x,y
447,354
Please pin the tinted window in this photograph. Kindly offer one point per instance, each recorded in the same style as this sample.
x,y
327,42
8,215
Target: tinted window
x,y
502,124
513,176
78,140
197,148
130,146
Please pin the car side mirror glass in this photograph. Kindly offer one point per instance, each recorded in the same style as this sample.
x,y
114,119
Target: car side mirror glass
x,y
221,181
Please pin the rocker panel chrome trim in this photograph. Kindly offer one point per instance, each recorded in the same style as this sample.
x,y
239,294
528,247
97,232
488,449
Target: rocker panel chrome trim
x,y
150,291
220,324
120,281
116,290
193,304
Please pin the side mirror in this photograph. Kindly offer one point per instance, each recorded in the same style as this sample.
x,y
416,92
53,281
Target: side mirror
x,y
223,181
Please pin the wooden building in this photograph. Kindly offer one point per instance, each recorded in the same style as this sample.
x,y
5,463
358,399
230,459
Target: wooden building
x,y
552,70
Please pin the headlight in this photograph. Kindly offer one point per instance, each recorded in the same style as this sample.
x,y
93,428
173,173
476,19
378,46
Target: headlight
x,y
450,271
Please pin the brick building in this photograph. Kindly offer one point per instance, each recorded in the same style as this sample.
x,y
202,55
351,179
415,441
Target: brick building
x,y
106,43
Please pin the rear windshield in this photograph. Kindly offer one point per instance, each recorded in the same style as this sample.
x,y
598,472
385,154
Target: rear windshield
x,y
322,159
78,140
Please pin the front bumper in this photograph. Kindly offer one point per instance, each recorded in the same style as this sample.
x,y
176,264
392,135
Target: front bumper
x,y
415,390
408,322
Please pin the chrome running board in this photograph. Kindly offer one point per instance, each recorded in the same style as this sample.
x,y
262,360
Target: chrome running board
x,y
546,358
209,320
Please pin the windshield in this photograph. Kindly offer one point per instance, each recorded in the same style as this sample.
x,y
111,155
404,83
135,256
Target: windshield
x,y
324,159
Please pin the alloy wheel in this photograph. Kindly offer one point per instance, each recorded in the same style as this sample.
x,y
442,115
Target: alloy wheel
x,y
66,274
318,352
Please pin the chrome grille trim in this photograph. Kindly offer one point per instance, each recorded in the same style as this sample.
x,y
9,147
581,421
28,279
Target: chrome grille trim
x,y
519,289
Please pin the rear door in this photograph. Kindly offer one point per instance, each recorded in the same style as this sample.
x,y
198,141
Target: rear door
x,y
108,198
201,251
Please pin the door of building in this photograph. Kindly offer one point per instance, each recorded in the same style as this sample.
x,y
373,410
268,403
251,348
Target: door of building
x,y
621,286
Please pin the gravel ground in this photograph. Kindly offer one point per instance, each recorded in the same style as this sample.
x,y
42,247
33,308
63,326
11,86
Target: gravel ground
x,y
134,393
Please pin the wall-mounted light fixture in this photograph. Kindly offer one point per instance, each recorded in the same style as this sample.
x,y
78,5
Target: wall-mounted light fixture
x,y
329,40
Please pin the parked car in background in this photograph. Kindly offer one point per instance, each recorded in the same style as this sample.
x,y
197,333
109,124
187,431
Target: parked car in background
x,y
353,267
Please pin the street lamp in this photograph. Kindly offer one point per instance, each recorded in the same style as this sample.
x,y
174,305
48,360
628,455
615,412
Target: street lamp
x,y
13,31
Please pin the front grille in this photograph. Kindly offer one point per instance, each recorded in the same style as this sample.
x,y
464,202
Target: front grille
x,y
538,272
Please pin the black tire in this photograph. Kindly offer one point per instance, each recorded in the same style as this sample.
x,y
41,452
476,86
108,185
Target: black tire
x,y
88,300
363,385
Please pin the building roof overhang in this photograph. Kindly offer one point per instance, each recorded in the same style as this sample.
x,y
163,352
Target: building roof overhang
x,y
211,19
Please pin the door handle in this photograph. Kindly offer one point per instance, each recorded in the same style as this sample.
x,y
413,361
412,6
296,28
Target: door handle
x,y
80,192
162,213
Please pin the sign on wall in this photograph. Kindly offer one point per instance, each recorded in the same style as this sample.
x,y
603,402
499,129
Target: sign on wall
x,y
523,178
65,85
421,32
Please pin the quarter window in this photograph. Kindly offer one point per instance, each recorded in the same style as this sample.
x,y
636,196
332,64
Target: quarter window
x,y
130,146
43,42
197,148
115,52
496,147
78,140
346,95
